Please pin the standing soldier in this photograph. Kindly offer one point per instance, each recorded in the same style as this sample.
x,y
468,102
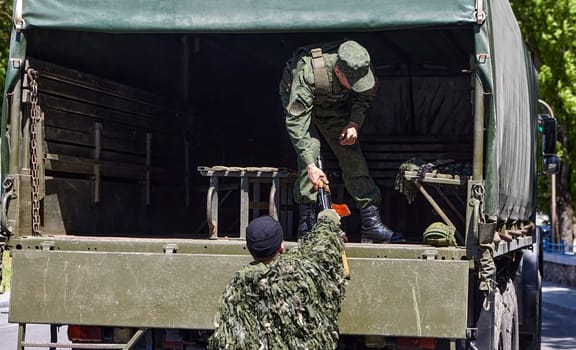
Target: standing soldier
x,y
332,90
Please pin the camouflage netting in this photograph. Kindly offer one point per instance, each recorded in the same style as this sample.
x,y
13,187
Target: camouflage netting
x,y
292,303
422,167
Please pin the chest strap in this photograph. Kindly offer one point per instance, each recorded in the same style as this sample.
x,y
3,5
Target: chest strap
x,y
321,80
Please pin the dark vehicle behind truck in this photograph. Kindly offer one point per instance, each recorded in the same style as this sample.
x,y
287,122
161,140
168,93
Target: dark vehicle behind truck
x,y
139,137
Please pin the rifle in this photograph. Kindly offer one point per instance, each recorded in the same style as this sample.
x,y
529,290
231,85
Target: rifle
x,y
325,197
325,202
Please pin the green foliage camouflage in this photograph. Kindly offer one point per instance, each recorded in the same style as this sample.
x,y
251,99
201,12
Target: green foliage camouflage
x,y
291,303
5,29
550,31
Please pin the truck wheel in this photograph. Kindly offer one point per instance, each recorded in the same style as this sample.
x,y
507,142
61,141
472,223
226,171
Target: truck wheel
x,y
506,331
529,282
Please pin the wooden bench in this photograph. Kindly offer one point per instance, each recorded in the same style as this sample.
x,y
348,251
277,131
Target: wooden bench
x,y
279,179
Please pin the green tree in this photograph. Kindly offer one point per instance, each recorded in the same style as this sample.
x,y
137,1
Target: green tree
x,y
5,29
550,32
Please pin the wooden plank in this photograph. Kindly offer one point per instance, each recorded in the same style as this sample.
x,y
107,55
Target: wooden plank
x,y
116,138
415,139
69,136
69,164
171,125
123,145
65,120
71,150
86,139
106,155
417,147
84,94
402,157
97,84
111,129
62,119
166,148
79,165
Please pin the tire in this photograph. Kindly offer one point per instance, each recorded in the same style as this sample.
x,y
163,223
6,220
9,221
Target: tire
x,y
506,330
529,285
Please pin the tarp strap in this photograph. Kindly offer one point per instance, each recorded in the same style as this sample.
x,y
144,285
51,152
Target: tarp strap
x,y
18,20
480,14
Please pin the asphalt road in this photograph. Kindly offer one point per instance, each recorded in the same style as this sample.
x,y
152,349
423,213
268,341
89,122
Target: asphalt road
x,y
558,317
558,323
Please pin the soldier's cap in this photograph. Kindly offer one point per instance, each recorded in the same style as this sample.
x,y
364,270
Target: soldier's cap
x,y
264,236
354,62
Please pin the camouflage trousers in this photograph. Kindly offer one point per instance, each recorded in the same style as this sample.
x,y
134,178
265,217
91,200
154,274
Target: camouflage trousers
x,y
352,163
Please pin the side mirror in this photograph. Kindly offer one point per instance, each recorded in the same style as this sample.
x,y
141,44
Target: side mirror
x,y
550,164
550,161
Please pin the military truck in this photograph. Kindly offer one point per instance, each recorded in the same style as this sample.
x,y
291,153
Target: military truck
x,y
139,137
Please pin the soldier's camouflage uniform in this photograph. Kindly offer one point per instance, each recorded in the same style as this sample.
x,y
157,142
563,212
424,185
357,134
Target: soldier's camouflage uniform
x,y
330,113
291,303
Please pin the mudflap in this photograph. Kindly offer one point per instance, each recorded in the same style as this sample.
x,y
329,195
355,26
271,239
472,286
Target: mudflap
x,y
485,333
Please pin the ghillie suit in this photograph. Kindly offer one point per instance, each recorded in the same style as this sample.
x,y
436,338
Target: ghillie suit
x,y
291,303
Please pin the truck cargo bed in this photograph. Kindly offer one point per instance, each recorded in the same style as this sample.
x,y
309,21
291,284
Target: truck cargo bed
x,y
123,158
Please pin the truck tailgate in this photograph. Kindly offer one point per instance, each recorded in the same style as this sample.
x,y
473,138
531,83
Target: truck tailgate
x,y
141,283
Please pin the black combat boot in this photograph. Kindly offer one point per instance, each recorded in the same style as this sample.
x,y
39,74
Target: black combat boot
x,y
374,231
307,218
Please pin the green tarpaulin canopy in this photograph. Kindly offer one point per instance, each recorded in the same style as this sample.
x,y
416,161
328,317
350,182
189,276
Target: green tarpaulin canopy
x,y
242,15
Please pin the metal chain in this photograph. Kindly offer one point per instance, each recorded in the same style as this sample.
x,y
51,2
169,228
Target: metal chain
x,y
35,114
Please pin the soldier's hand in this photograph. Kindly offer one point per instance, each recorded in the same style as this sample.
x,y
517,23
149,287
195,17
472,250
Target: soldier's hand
x,y
316,176
349,134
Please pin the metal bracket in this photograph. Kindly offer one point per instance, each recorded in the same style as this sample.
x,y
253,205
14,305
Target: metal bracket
x,y
9,194
16,63
18,19
482,58
431,254
471,333
170,248
48,245
479,13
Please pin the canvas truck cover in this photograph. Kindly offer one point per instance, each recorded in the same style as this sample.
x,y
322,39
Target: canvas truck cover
x,y
241,15
503,65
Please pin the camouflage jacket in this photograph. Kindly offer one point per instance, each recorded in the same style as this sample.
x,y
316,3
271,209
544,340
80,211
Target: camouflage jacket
x,y
303,101
291,303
